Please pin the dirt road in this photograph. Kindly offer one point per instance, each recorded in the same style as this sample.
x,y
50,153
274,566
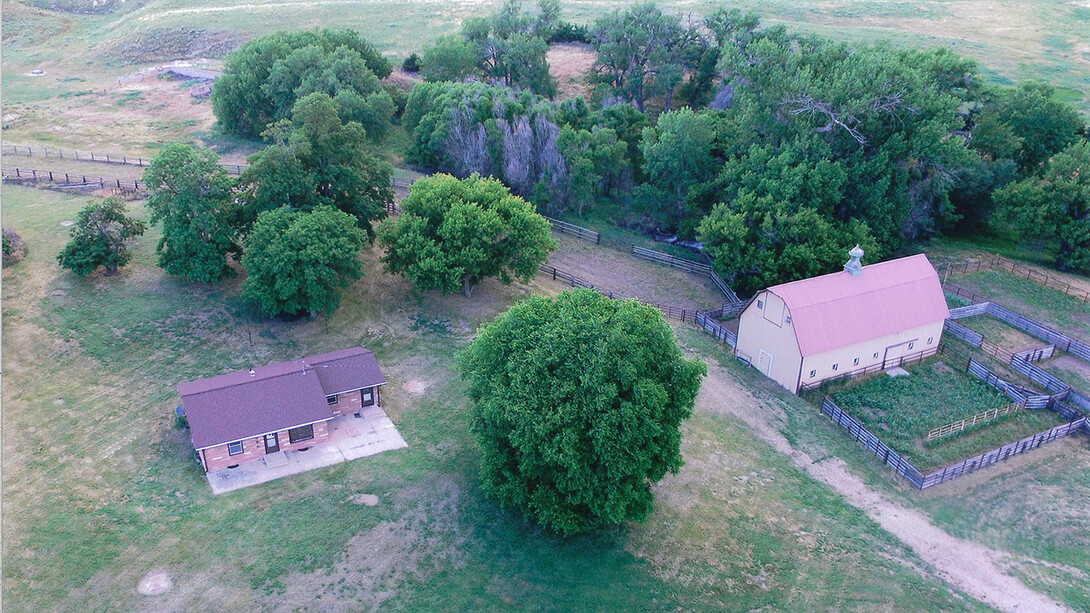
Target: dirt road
x,y
967,566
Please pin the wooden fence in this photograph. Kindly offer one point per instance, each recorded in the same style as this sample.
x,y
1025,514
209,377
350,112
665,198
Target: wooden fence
x,y
579,232
93,156
64,180
671,311
998,262
905,468
980,418
957,330
711,326
1059,340
1031,399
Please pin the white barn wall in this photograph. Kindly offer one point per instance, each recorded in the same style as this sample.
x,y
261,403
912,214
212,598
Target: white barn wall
x,y
767,328
844,357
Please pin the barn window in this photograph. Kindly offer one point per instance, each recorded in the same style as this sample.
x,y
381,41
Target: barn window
x,y
930,339
302,433
813,373
835,366
876,355
331,399
234,448
855,362
760,304
910,345
788,319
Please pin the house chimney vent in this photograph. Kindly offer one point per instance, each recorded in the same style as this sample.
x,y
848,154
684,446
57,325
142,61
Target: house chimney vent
x,y
855,265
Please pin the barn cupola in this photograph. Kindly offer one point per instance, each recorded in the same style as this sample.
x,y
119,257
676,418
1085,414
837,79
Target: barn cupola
x,y
855,264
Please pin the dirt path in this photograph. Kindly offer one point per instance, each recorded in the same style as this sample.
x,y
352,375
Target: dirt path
x,y
967,566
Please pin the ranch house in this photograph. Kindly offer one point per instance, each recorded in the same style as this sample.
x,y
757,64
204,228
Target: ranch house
x,y
864,317
264,412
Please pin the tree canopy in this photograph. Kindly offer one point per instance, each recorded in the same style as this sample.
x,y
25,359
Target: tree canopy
x,y
297,261
265,77
453,233
1054,206
577,402
101,236
317,159
191,197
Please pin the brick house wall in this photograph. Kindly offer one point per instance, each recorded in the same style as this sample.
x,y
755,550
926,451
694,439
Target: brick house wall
x,y
217,458
350,402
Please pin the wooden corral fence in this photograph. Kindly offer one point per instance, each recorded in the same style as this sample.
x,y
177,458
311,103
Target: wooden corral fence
x,y
980,418
63,180
998,262
905,468
707,321
1059,340
1031,399
93,156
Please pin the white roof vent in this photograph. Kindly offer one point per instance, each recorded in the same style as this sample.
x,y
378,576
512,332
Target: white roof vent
x,y
855,265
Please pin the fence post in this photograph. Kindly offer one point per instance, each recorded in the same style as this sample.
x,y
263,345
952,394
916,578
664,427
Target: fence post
x,y
50,176
135,185
119,184
35,173
77,154
66,178
107,158
17,173
92,156
84,178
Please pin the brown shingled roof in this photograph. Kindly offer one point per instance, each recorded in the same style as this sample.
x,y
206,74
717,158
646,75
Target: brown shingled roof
x,y
275,397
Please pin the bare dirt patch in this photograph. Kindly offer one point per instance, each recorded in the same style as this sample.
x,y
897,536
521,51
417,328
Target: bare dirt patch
x,y
155,583
632,277
968,566
569,64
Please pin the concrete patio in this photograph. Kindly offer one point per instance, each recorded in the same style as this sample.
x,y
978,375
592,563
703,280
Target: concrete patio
x,y
350,437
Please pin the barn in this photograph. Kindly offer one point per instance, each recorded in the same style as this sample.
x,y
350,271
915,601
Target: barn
x,y
864,317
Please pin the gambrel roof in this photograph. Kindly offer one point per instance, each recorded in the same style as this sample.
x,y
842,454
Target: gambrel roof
x,y
840,310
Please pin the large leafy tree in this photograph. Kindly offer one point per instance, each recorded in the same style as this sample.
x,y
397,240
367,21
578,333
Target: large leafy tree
x,y
453,233
577,403
1040,125
450,58
641,53
296,262
191,197
102,236
677,154
1054,207
317,159
265,77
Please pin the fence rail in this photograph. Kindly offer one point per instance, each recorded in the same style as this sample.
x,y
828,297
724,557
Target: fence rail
x,y
998,262
982,417
93,156
706,321
950,472
69,180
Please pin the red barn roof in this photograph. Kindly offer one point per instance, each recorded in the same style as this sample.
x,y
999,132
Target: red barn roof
x,y
839,309
276,397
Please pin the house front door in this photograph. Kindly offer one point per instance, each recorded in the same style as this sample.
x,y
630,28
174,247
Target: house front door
x,y
272,444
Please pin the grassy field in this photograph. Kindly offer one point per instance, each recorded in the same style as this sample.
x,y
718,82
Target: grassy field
x,y
1049,306
901,410
83,56
100,486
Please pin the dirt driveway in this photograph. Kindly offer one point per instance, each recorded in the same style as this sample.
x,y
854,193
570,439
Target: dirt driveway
x,y
967,566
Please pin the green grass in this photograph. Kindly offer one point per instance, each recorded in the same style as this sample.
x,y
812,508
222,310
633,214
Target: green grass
x,y
101,487
901,411
1049,306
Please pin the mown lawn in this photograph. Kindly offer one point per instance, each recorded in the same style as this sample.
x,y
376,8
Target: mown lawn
x,y
100,486
901,411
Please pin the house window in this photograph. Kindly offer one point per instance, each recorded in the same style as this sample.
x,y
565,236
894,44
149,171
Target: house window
x,y
760,304
876,355
855,362
302,433
331,399
930,339
813,373
234,448
835,366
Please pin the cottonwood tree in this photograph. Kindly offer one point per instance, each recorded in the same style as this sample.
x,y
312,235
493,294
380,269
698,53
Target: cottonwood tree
x,y
316,159
297,261
641,53
453,233
576,406
191,197
101,236
1054,207
265,77
450,58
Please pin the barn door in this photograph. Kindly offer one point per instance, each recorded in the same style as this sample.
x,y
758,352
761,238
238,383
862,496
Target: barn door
x,y
764,363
